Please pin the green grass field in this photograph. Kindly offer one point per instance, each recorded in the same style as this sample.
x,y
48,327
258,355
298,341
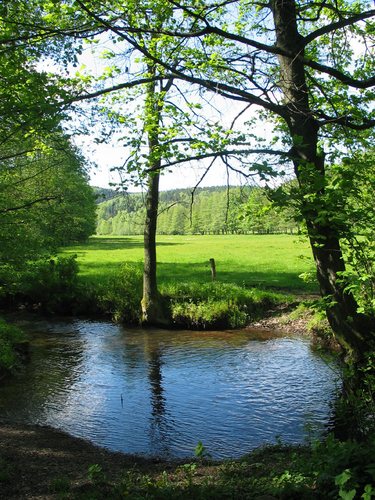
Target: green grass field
x,y
274,261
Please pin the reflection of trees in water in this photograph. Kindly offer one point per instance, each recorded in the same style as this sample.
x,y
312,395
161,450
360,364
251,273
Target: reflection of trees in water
x,y
160,421
142,358
56,358
155,377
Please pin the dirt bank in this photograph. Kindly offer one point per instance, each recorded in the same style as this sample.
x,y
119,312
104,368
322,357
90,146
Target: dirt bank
x,y
32,458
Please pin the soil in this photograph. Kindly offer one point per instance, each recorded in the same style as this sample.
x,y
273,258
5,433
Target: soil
x,y
32,458
280,320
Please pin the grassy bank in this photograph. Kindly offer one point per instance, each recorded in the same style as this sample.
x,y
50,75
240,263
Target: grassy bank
x,y
254,274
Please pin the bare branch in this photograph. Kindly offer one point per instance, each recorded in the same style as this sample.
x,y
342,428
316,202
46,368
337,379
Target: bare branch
x,y
219,154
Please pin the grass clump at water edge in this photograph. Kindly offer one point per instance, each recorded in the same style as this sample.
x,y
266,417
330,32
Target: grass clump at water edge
x,y
217,305
189,305
11,338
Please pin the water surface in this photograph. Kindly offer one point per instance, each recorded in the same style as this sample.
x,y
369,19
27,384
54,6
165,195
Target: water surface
x,y
158,392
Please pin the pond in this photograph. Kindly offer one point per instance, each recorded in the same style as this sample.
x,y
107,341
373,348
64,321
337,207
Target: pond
x,y
157,392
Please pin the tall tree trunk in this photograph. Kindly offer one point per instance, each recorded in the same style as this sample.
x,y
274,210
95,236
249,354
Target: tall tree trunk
x,y
151,301
353,330
152,306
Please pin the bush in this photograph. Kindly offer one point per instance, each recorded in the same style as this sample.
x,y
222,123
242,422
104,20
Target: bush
x,y
216,305
48,284
52,284
120,296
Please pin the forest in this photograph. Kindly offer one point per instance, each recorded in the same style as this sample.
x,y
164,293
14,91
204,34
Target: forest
x,y
213,210
279,94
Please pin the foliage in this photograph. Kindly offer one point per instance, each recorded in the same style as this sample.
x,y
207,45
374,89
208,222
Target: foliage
x,y
47,284
60,485
216,305
330,469
95,474
344,466
353,181
355,407
200,451
120,295
46,201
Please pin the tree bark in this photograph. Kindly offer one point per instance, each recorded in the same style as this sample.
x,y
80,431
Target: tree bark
x,y
354,331
152,306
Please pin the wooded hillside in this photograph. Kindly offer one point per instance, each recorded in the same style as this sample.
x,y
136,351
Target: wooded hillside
x,y
211,210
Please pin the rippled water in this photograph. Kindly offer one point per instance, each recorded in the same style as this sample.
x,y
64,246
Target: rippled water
x,y
160,392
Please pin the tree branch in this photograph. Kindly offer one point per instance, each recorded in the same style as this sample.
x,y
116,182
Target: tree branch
x,y
218,154
221,88
338,25
28,204
346,122
114,88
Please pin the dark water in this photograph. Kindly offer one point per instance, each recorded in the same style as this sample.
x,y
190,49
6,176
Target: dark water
x,y
160,392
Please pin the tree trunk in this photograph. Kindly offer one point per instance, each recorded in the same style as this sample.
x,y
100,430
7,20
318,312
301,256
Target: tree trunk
x,y
151,300
152,306
354,331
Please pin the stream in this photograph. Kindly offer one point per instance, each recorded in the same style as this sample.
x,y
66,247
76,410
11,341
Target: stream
x,y
158,392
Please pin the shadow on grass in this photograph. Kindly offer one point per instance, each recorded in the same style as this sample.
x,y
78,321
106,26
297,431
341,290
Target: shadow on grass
x,y
171,272
118,244
200,272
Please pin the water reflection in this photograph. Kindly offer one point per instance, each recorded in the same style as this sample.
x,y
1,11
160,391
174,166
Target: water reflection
x,y
159,429
160,392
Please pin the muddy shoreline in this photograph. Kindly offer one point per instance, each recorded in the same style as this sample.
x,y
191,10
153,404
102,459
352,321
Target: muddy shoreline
x,y
33,457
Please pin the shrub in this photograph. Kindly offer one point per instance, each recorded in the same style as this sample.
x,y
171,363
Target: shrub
x,y
52,284
216,305
47,284
120,296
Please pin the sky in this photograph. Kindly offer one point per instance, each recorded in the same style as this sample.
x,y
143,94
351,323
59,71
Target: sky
x,y
107,156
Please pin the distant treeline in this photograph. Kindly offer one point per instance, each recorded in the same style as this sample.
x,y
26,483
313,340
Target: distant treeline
x,y
212,210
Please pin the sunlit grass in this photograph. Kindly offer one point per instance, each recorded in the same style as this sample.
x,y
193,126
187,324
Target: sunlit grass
x,y
250,260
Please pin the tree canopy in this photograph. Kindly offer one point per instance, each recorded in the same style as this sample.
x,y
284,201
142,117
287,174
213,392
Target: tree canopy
x,y
45,198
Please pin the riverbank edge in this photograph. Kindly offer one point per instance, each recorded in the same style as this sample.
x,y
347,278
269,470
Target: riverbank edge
x,y
33,458
39,462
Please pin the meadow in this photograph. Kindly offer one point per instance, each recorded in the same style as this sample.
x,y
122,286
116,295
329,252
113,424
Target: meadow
x,y
266,261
